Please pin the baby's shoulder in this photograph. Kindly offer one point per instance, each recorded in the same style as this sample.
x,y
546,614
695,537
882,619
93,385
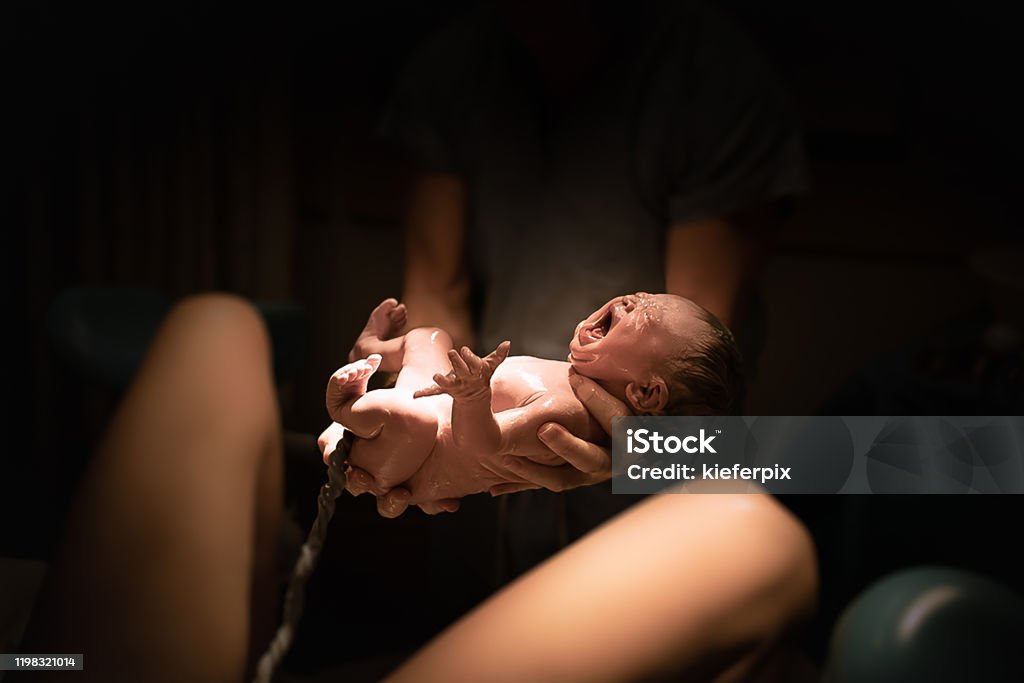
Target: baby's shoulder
x,y
525,379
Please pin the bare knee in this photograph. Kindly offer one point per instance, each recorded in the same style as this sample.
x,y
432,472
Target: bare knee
x,y
219,314
219,326
216,347
424,337
776,587
801,572
786,591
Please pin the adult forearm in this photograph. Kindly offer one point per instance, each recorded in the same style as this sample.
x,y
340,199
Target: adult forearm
x,y
708,262
433,304
436,284
714,261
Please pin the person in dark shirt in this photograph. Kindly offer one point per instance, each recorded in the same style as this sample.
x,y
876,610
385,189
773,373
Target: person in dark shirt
x,y
652,143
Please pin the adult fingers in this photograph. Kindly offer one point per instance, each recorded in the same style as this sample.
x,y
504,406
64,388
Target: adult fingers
x,y
359,481
450,504
436,507
393,503
502,489
560,478
583,455
602,405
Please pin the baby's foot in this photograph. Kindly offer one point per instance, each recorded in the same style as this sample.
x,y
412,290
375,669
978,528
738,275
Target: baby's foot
x,y
384,323
349,383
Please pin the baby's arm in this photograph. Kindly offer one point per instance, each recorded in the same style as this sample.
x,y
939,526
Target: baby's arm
x,y
474,427
477,429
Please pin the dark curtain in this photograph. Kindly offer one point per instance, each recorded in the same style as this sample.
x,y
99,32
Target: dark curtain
x,y
150,147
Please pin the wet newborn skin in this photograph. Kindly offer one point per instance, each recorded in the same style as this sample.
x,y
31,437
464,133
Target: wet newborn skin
x,y
453,419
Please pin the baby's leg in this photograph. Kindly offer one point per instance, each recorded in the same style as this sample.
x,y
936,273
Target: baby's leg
x,y
380,336
397,432
426,354
365,414
348,403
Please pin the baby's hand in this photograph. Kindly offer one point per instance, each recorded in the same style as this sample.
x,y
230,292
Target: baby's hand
x,y
470,378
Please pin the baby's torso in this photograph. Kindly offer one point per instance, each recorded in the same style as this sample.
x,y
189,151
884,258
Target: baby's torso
x,y
543,385
526,392
522,379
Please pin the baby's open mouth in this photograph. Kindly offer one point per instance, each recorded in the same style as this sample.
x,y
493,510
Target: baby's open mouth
x,y
592,332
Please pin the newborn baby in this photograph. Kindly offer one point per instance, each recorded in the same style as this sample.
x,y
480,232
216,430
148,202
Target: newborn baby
x,y
444,429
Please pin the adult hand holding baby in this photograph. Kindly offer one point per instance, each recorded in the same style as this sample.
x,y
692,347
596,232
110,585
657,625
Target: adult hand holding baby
x,y
585,463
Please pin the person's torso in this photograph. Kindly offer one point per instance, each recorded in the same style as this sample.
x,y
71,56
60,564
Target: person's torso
x,y
561,218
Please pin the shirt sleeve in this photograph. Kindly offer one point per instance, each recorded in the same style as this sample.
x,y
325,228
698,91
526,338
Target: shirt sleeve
x,y
736,141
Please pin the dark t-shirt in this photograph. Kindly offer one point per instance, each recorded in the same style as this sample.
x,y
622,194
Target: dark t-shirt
x,y
680,120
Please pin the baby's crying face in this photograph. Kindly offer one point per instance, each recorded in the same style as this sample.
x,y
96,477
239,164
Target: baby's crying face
x,y
630,336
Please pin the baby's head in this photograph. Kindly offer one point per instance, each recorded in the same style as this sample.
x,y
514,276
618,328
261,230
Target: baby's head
x,y
663,354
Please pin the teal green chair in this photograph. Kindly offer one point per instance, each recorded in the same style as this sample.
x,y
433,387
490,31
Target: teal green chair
x,y
929,624
102,333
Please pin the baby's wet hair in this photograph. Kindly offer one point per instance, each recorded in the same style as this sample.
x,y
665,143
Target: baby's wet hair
x,y
706,377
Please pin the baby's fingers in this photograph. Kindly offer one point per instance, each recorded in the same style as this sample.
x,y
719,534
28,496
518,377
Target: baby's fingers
x,y
434,390
472,360
498,355
458,364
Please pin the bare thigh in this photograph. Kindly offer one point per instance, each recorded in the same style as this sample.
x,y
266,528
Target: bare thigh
x,y
167,569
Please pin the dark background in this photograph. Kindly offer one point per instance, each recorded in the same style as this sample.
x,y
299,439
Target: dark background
x,y
190,146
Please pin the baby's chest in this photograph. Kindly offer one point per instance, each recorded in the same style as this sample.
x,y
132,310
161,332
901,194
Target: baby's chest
x,y
521,380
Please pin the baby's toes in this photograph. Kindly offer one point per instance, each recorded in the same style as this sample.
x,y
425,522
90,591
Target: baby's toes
x,y
365,367
382,313
386,306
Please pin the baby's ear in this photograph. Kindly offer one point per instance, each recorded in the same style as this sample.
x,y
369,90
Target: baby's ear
x,y
648,398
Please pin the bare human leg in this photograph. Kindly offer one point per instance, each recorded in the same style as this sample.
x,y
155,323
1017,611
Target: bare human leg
x,y
380,336
394,457
698,586
396,432
347,402
167,568
426,354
